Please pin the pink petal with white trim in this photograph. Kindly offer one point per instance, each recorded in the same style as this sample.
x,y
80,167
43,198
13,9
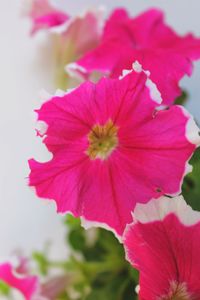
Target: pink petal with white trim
x,y
44,15
111,149
149,40
27,285
163,244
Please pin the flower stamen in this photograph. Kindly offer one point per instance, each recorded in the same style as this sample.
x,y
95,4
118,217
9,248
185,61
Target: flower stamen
x,y
177,292
103,140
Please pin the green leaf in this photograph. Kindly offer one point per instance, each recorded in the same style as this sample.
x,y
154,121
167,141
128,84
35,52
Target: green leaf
x,y
42,262
77,239
182,99
134,274
71,222
119,288
191,185
102,272
64,296
4,288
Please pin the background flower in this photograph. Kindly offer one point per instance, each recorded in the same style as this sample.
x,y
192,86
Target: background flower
x,y
149,40
72,36
45,16
27,285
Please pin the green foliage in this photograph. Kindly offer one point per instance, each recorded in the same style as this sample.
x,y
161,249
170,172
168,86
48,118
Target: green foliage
x,y
191,185
182,99
97,267
4,289
42,262
103,270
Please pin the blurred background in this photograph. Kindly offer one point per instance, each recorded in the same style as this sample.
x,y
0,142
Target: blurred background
x,y
25,221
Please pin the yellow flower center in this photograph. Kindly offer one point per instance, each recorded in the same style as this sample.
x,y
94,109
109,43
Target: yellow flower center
x,y
178,291
102,140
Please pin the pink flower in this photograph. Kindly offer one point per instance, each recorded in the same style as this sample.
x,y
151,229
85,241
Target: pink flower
x,y
148,40
44,15
71,36
19,278
111,149
27,285
163,244
82,32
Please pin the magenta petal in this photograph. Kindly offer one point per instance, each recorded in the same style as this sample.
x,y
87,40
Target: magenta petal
x,y
27,285
148,160
163,244
167,69
50,20
44,15
77,34
149,40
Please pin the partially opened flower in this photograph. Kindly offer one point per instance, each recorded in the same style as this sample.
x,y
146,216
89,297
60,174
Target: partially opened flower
x,y
111,149
163,244
79,35
27,285
71,36
44,15
149,40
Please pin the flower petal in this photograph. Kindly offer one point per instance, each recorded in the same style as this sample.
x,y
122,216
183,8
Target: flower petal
x,y
27,285
149,40
44,15
162,243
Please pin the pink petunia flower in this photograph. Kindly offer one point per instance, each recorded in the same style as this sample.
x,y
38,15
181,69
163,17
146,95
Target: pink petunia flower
x,y
163,244
71,36
27,285
111,149
45,16
148,40
82,31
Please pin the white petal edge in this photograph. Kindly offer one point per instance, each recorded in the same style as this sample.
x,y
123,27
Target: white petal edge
x,y
98,13
192,130
86,224
137,289
41,127
46,96
74,70
158,209
154,92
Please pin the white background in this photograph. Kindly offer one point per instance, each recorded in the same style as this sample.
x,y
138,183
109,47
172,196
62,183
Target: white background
x,y
25,221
